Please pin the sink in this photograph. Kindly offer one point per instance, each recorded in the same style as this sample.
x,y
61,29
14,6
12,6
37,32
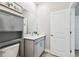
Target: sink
x,y
33,37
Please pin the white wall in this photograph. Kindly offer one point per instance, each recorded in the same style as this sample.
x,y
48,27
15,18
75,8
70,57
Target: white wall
x,y
43,17
30,15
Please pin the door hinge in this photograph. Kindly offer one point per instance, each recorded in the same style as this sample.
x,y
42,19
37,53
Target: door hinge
x,y
70,51
70,32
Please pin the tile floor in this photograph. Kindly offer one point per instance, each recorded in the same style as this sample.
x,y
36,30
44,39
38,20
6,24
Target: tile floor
x,y
46,54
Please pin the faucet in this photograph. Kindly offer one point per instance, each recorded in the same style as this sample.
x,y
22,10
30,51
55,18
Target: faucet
x,y
35,32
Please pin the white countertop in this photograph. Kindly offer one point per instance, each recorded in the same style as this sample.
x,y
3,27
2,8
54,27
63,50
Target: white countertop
x,y
33,37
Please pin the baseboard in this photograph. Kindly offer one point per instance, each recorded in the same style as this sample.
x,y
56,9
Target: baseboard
x,y
47,50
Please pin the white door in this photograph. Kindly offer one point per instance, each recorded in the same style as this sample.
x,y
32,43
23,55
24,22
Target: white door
x,y
60,33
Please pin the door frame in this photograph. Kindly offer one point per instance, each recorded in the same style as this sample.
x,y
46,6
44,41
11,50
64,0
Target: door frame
x,y
72,27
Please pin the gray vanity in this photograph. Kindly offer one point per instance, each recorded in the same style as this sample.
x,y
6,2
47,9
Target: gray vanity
x,y
34,45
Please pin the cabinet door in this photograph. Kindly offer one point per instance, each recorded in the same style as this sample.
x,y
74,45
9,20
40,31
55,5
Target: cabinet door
x,y
39,46
42,45
37,50
29,48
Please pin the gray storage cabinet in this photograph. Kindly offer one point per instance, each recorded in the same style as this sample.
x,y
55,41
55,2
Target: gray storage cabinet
x,y
34,48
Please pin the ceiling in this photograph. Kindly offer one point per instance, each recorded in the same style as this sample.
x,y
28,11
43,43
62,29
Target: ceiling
x,y
55,5
52,5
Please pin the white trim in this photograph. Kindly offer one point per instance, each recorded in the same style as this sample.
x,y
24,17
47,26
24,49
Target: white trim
x,y
47,50
72,24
